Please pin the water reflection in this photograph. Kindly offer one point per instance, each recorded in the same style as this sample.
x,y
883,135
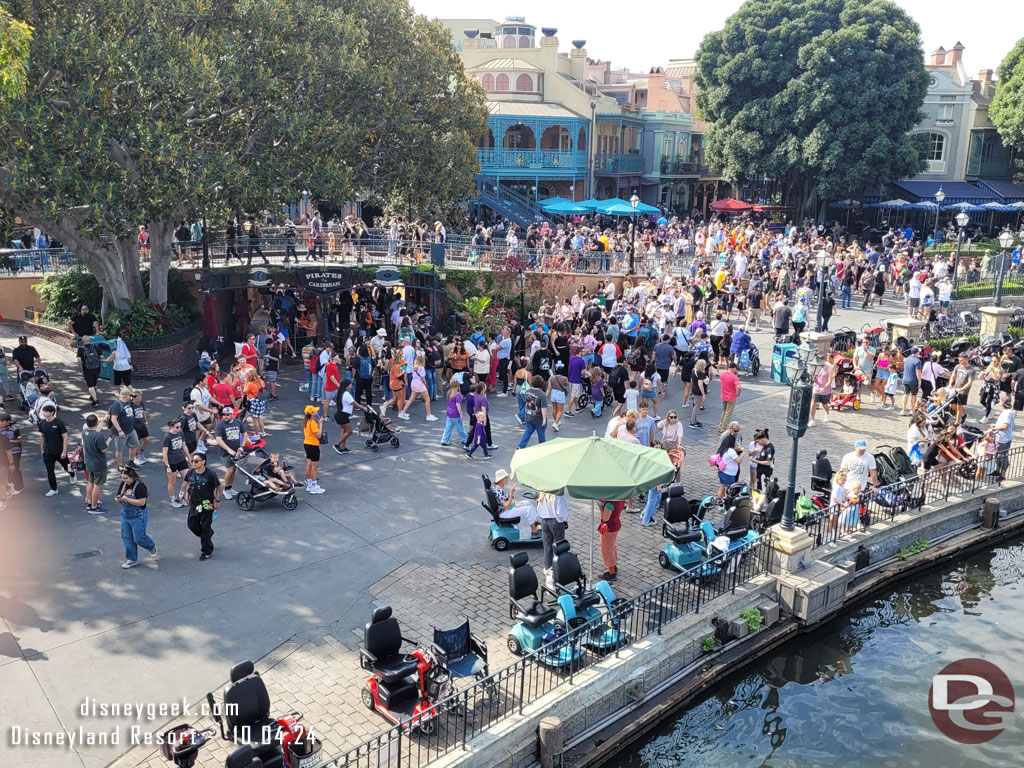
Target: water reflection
x,y
854,693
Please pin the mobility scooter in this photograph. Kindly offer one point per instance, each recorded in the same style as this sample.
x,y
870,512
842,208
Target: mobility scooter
x,y
508,531
689,547
403,687
539,627
245,720
580,605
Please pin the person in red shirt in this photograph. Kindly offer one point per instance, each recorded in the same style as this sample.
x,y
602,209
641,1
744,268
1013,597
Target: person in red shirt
x,y
249,351
332,381
223,392
730,393
608,529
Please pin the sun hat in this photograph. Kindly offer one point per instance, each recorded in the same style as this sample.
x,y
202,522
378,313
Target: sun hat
x,y
500,475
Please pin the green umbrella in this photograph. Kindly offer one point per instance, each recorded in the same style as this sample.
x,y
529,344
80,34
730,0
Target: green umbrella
x,y
592,468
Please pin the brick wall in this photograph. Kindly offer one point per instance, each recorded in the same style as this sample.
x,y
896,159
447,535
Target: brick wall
x,y
166,362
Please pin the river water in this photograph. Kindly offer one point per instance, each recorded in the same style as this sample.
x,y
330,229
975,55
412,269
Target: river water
x,y
855,692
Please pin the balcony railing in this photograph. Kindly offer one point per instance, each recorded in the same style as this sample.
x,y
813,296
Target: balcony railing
x,y
499,157
618,164
678,166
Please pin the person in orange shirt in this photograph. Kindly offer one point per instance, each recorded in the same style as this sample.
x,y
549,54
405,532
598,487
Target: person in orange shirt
x,y
257,406
396,381
311,429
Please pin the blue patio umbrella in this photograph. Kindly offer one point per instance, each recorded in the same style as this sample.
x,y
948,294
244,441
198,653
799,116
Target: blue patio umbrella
x,y
618,207
549,201
964,206
566,208
590,205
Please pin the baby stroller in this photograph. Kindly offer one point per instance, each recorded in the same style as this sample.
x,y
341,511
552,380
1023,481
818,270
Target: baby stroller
x,y
28,384
939,411
253,465
380,430
849,382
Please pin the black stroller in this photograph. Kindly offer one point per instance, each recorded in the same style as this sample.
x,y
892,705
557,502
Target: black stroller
x,y
28,385
380,430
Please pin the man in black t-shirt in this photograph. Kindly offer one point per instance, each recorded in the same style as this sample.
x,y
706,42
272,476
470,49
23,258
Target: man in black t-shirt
x,y
122,425
84,323
53,444
25,356
89,363
202,494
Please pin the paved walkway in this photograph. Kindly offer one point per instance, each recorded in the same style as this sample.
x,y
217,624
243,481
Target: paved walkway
x,y
292,590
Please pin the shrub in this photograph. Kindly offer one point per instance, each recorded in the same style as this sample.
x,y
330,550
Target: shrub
x,y
753,618
64,292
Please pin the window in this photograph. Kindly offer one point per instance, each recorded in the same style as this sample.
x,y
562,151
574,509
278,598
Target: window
x,y
936,149
524,83
508,42
501,84
488,82
945,114
564,140
525,42
513,140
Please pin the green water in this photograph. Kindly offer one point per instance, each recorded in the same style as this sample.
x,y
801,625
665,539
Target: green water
x,y
855,692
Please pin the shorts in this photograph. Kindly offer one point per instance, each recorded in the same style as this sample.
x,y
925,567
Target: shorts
x,y
663,372
142,431
312,452
648,394
122,377
96,478
883,374
130,440
915,303
557,396
725,479
91,376
961,398
944,304
910,387
270,375
575,390
822,399
342,418
178,466
330,394
257,407
620,395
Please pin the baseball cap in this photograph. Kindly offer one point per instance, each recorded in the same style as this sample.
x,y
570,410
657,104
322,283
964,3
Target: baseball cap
x,y
861,444
227,410
85,306
312,409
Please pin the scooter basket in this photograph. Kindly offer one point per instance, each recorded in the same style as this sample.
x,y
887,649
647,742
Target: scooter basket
x,y
620,609
181,745
305,753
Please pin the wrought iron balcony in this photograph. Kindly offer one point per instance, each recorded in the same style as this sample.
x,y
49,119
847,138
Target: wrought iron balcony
x,y
499,157
618,164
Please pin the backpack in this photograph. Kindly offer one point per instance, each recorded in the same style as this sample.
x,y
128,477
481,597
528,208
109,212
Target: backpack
x,y
315,357
365,367
90,357
715,461
186,394
434,357
77,459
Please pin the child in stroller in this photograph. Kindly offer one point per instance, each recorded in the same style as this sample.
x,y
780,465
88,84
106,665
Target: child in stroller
x,y
849,382
266,479
380,430
29,383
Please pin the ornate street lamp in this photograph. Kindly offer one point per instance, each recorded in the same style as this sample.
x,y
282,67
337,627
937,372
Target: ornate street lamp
x,y
939,197
521,279
633,201
962,220
801,369
1005,241
822,258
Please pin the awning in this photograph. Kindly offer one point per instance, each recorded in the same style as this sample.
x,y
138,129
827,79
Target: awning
x,y
954,191
1010,192
730,205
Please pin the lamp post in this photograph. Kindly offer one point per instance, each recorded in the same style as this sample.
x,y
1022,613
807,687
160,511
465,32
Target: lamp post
x,y
939,197
521,279
823,273
1005,241
801,369
962,220
633,201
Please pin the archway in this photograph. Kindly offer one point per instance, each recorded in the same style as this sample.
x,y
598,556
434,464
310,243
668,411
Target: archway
x,y
519,136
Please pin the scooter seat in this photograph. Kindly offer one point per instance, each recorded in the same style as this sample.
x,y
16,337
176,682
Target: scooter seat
x,y
681,533
735,534
394,668
536,614
508,521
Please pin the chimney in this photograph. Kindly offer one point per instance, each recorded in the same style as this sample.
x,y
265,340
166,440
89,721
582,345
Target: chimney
x,y
985,75
471,40
578,60
549,48
955,54
655,81
938,58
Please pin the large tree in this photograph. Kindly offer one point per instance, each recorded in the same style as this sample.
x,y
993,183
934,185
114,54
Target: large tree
x,y
818,93
151,113
1007,108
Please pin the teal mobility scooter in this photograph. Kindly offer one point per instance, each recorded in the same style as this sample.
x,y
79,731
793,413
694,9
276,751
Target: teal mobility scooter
x,y
582,606
694,543
539,628
505,532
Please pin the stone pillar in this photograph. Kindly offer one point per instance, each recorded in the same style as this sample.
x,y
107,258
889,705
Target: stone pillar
x,y
907,328
791,550
995,320
820,341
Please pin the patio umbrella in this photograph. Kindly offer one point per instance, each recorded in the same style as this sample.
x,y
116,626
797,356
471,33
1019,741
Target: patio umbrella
x,y
548,201
964,206
566,208
730,205
590,205
618,207
896,203
592,468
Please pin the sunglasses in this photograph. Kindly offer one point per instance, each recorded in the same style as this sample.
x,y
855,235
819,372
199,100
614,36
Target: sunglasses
x,y
197,459
672,417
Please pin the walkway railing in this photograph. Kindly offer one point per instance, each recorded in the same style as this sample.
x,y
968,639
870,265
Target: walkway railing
x,y
472,710
36,261
837,521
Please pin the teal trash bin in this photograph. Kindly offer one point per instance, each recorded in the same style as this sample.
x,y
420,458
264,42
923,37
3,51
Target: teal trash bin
x,y
780,354
105,347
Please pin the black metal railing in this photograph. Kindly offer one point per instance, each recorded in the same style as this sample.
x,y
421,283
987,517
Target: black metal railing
x,y
470,711
964,478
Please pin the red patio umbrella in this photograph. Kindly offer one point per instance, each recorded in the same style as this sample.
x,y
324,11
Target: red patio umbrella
x,y
730,205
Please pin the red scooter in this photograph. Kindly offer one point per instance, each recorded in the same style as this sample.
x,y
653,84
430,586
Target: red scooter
x,y
404,688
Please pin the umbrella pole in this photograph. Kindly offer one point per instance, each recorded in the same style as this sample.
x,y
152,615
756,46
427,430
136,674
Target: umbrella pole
x,y
590,577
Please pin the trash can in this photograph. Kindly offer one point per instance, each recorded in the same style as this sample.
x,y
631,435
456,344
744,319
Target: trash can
x,y
781,353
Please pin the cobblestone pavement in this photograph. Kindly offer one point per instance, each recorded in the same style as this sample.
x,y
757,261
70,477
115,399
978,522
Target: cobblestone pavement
x,y
402,527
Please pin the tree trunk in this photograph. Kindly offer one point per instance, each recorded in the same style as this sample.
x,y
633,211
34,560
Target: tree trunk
x,y
160,258
127,255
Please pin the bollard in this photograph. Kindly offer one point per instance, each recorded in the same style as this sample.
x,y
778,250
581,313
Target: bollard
x,y
990,513
550,735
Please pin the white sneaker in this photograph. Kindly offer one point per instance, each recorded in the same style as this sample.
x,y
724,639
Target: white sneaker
x,y
201,446
3,506
129,564
317,489
502,394
175,503
519,420
13,492
555,425
52,492
141,459
431,417
229,494
810,423
827,419
403,416
383,411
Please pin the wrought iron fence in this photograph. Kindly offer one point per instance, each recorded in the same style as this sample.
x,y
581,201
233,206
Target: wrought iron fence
x,y
36,261
836,521
470,711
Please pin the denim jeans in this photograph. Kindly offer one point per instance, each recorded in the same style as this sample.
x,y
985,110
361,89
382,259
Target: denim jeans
x,y
522,406
456,424
133,531
653,501
289,252
529,430
316,391
431,383
847,295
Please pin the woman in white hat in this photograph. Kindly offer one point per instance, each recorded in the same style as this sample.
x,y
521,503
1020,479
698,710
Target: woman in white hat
x,y
510,507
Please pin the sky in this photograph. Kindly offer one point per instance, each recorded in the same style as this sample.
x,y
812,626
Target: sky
x,y
641,40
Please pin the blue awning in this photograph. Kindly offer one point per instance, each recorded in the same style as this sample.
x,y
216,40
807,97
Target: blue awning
x,y
955,191
1010,192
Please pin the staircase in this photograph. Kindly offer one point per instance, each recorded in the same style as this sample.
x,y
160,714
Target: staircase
x,y
507,202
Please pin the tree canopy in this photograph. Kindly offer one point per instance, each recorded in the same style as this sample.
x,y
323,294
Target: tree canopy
x,y
140,113
15,37
1007,108
818,93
